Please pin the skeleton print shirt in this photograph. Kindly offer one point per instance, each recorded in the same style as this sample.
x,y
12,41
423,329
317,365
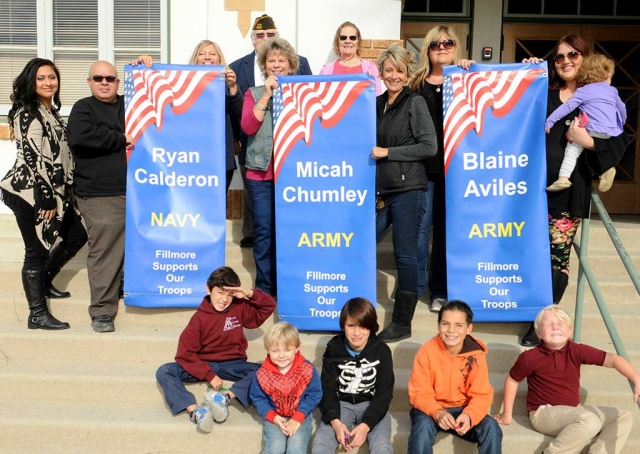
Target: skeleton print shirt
x,y
355,379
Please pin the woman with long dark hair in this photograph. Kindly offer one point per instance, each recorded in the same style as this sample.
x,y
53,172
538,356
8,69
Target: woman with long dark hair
x,y
38,189
568,207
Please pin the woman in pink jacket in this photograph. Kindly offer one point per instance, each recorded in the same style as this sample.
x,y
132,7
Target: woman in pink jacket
x,y
347,45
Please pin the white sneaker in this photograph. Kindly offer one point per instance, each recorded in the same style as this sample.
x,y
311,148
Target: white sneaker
x,y
202,417
218,403
437,304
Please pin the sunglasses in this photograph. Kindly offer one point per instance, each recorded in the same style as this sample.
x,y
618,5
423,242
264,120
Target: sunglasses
x,y
351,37
572,56
447,44
268,35
109,79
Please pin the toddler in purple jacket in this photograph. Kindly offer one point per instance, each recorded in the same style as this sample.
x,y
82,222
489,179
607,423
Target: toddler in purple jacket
x,y
602,113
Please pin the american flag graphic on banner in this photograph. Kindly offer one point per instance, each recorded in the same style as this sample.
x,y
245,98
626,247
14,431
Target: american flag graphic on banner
x,y
297,105
467,96
147,93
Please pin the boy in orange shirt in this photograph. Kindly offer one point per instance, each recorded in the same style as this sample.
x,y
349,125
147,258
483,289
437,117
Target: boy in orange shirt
x,y
449,387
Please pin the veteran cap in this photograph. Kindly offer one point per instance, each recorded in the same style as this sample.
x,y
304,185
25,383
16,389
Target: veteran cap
x,y
264,22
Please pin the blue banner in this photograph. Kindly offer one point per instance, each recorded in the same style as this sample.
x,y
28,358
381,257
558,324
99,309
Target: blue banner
x,y
324,131
176,201
498,256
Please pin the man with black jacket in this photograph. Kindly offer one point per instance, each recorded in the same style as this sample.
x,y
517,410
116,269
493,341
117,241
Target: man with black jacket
x,y
97,137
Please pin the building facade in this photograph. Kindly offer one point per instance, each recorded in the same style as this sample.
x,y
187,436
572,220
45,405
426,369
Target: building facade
x,y
74,33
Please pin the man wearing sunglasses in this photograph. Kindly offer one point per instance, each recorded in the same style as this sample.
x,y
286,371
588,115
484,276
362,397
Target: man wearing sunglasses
x,y
97,137
248,74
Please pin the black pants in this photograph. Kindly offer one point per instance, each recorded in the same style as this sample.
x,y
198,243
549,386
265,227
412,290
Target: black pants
x,y
72,232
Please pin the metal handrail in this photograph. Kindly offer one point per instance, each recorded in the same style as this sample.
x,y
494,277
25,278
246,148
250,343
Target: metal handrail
x,y
585,273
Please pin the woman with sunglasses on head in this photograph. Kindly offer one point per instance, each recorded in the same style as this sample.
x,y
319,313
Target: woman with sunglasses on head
x,y
276,57
38,189
405,138
347,44
440,48
568,207
208,52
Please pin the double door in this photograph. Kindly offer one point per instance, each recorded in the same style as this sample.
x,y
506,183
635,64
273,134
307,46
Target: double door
x,y
622,45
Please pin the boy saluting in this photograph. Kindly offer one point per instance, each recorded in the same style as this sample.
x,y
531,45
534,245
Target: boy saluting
x,y
213,348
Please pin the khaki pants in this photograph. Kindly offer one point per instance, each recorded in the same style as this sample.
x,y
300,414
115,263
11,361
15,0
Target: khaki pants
x,y
605,429
104,218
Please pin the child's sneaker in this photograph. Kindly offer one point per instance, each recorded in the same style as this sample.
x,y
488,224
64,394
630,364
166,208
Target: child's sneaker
x,y
559,185
218,403
202,417
606,179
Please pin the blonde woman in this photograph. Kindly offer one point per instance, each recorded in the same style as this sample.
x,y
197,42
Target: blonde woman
x,y
275,58
405,138
208,52
441,47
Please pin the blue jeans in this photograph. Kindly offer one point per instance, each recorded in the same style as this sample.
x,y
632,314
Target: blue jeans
x,y
424,429
264,234
275,442
378,439
432,271
405,211
172,376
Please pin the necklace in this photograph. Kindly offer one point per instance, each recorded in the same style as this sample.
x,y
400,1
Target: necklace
x,y
438,85
348,62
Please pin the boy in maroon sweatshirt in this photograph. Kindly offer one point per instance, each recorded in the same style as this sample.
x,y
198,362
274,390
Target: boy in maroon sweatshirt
x,y
213,348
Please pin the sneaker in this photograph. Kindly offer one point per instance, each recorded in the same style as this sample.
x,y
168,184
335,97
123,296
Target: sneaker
x,y
202,417
559,185
218,403
103,324
246,242
437,304
606,179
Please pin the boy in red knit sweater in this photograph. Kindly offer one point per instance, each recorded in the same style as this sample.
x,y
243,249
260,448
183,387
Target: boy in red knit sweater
x,y
285,390
213,348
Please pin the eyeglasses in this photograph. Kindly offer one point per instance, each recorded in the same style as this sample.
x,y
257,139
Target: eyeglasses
x,y
351,37
572,56
268,34
109,79
447,44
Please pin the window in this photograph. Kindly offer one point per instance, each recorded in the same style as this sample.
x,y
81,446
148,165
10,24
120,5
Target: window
x,y
572,8
74,34
18,42
433,8
133,36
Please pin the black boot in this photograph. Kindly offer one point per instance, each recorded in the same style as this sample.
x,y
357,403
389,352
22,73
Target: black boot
x,y
33,282
559,282
403,309
531,338
58,257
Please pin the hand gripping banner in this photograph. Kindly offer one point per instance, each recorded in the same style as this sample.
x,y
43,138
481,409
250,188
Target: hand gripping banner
x,y
498,256
324,130
176,201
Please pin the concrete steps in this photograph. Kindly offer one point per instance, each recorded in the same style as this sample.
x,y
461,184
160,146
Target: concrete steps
x,y
86,392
